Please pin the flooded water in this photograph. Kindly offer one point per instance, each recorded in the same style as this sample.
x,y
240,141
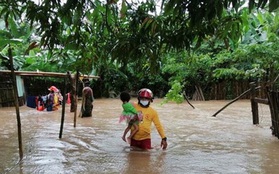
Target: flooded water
x,y
198,143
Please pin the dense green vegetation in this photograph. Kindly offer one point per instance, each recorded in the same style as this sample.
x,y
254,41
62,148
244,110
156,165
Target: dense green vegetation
x,y
179,45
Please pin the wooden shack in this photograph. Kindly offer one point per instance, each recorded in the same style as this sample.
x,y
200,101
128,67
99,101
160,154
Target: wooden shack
x,y
29,83
6,91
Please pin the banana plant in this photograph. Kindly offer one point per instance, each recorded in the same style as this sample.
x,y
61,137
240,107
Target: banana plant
x,y
17,34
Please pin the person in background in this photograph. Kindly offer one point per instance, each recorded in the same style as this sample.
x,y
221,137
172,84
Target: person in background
x,y
131,116
58,98
50,100
142,138
40,103
87,100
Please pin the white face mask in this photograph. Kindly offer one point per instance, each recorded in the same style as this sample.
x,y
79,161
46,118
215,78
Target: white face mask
x,y
144,102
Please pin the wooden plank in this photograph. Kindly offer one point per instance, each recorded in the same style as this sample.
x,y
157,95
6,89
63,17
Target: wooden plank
x,y
261,100
45,74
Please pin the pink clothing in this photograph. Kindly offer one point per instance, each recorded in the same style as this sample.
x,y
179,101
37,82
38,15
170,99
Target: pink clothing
x,y
128,118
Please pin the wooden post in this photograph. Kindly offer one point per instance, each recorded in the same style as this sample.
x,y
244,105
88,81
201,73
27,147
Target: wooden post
x,y
254,104
273,105
76,98
63,109
244,93
16,102
185,96
276,113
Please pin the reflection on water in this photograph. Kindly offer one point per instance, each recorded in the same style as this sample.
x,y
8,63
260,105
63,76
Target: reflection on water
x,y
198,142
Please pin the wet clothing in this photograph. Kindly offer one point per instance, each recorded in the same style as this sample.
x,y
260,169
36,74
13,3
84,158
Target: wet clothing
x,y
87,102
130,114
50,100
143,144
40,103
149,116
56,101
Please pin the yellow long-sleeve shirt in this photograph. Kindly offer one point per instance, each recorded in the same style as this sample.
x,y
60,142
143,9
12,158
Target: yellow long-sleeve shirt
x,y
149,115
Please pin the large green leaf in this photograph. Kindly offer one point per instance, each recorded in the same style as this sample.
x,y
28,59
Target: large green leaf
x,y
4,42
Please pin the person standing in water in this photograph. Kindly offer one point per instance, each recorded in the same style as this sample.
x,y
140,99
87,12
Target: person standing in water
x,y
87,101
142,138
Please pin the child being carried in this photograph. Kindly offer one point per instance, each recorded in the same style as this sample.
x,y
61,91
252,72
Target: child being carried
x,y
129,114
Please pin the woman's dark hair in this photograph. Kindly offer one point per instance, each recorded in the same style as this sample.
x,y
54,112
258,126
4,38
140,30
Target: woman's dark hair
x,y
125,96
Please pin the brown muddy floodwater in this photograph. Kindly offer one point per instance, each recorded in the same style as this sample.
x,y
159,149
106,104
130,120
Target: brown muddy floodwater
x,y
198,142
